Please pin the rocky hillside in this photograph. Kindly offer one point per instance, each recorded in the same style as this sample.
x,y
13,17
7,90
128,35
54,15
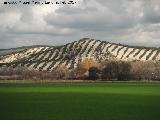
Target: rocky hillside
x,y
69,55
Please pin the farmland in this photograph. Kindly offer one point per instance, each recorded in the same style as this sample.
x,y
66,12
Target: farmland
x,y
80,101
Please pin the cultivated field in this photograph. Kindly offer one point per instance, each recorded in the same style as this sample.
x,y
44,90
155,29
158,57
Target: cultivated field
x,y
80,101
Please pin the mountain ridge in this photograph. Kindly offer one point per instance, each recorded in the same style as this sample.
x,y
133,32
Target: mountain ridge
x,y
69,55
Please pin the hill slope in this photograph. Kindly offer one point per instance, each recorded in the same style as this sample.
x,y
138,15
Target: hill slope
x,y
69,55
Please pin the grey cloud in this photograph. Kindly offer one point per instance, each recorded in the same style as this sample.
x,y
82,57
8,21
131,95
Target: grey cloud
x,y
134,22
89,18
151,16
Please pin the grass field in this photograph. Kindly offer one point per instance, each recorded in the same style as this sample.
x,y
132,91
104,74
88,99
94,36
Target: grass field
x,y
80,101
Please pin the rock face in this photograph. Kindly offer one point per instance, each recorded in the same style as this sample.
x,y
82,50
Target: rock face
x,y
69,55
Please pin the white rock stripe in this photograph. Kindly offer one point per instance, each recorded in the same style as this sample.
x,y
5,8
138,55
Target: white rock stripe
x,y
147,53
111,48
84,46
151,57
46,56
47,66
40,65
131,55
53,55
158,57
40,56
60,53
139,54
115,52
121,52
127,53
39,49
88,47
32,66
105,48
93,49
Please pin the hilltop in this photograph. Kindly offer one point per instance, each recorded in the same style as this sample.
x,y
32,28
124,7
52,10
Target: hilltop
x,y
69,55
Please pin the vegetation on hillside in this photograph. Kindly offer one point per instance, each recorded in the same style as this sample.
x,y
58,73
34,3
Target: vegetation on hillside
x,y
89,69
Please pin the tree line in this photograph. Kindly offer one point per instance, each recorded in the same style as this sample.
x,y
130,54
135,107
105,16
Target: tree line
x,y
89,69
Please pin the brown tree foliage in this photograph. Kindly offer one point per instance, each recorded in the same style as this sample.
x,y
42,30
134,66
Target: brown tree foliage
x,y
82,68
88,63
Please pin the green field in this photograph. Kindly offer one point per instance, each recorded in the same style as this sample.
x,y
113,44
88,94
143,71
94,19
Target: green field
x,y
80,101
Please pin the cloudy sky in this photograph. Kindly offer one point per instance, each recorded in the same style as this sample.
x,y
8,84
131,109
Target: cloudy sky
x,y
133,22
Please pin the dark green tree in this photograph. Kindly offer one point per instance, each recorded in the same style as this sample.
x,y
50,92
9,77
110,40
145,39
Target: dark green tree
x,y
110,70
93,73
124,70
